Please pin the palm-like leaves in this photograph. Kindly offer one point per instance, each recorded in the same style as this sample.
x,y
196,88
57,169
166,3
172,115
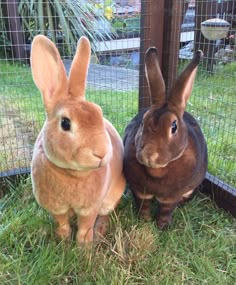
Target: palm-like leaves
x,y
63,21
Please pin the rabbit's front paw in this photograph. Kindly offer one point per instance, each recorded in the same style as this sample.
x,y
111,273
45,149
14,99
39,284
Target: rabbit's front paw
x,y
84,236
164,222
165,214
64,231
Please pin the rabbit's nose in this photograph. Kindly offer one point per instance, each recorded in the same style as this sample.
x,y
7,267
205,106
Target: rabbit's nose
x,y
153,158
100,152
99,155
106,158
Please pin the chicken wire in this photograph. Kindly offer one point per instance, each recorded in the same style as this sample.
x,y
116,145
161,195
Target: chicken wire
x,y
213,101
114,78
113,28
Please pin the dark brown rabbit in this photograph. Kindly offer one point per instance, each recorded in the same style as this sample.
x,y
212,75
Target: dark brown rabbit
x,y
165,151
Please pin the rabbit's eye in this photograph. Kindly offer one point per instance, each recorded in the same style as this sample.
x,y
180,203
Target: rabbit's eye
x,y
174,127
65,124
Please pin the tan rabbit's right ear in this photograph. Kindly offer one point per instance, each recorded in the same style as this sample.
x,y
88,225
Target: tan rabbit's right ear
x,y
48,71
79,68
154,77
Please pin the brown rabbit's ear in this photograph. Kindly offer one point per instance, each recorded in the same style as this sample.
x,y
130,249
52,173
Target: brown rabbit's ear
x,y
79,68
182,88
155,79
48,71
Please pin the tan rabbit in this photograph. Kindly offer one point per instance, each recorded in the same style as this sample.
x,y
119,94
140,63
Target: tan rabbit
x,y
165,151
78,155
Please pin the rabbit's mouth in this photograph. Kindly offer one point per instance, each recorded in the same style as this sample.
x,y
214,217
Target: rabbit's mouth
x,y
84,161
75,166
154,165
93,164
89,160
150,161
154,160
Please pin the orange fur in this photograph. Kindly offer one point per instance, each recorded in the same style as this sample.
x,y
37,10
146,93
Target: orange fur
x,y
79,170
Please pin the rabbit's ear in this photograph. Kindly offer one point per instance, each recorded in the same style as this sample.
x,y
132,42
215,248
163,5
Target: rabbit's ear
x,y
79,68
182,88
48,71
155,79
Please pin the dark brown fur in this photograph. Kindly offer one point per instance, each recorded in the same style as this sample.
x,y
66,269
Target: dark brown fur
x,y
157,163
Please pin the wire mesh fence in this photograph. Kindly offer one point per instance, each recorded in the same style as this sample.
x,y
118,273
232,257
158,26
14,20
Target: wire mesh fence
x,y
213,101
115,74
113,29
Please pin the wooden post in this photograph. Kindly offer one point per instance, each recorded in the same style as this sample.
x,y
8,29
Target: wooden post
x,y
171,45
160,27
15,33
152,25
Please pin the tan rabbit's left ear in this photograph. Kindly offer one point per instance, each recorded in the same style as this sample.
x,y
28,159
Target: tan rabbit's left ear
x,y
48,71
79,68
182,88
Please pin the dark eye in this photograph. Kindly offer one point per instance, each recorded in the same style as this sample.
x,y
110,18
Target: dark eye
x,y
65,124
173,127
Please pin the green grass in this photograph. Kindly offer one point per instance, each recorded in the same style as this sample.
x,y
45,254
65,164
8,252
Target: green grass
x,y
199,248
213,103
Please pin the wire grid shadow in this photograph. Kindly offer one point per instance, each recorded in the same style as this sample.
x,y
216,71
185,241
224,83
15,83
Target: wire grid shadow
x,y
113,73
